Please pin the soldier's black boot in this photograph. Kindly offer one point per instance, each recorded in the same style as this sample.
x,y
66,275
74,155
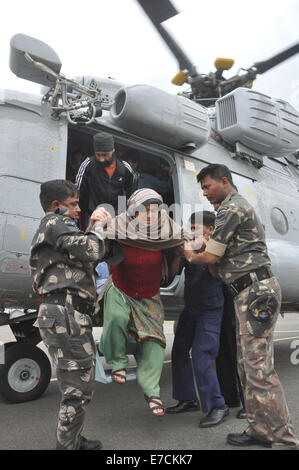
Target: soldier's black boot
x,y
245,440
86,444
242,414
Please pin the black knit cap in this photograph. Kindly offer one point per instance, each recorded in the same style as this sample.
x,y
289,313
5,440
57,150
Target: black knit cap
x,y
103,142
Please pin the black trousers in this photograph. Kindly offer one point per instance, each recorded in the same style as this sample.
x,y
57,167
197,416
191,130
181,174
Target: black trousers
x,y
226,362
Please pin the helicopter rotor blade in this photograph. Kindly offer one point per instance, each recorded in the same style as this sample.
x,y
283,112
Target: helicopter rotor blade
x,y
159,11
266,65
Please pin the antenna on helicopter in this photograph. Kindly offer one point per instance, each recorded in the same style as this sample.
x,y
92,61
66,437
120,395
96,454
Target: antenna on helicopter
x,y
206,89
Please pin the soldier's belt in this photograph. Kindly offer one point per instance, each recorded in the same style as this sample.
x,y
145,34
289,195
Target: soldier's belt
x,y
78,304
240,284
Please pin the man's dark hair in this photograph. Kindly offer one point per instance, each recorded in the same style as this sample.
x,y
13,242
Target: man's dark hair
x,y
206,218
54,190
215,171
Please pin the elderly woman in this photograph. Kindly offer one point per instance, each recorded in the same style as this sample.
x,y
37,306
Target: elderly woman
x,y
132,304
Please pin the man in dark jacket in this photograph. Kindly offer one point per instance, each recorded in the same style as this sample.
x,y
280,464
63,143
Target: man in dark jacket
x,y
102,178
198,331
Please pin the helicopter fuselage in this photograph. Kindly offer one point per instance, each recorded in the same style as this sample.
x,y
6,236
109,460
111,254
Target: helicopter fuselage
x,y
34,149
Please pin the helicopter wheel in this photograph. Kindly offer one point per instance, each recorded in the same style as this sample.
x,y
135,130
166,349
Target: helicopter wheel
x,y
26,373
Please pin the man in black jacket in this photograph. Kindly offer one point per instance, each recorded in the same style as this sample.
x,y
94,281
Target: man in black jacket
x,y
102,178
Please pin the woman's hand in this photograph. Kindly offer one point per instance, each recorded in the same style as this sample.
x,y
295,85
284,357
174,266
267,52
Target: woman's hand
x,y
100,215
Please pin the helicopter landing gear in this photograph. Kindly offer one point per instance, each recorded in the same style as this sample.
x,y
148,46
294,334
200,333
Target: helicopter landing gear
x,y
26,373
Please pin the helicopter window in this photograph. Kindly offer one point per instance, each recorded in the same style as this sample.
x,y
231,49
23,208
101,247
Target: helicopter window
x,y
192,195
279,221
293,164
294,170
14,189
278,165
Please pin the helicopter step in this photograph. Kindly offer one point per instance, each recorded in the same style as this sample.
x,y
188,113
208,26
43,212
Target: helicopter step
x,y
104,376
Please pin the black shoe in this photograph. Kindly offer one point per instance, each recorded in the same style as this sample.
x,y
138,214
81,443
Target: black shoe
x,y
245,440
232,404
242,414
86,444
183,407
214,417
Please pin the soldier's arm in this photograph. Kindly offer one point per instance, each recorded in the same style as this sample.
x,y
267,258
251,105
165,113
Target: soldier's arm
x,y
201,258
227,222
85,247
66,237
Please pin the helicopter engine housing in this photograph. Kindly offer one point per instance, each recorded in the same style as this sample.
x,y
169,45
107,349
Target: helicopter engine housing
x,y
265,125
160,116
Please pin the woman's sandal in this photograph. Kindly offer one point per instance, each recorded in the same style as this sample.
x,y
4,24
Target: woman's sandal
x,y
158,407
115,376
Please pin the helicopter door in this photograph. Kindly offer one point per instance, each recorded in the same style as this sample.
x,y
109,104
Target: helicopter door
x,y
17,196
190,200
250,191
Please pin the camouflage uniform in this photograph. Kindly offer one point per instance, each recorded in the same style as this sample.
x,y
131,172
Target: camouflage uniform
x,y
62,262
239,241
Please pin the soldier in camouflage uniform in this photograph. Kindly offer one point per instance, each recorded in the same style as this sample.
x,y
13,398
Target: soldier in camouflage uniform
x,y
238,247
62,262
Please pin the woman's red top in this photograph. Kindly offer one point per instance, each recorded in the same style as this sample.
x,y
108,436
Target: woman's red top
x,y
139,274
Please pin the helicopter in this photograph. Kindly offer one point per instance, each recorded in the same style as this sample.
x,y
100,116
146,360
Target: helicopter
x,y
217,121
